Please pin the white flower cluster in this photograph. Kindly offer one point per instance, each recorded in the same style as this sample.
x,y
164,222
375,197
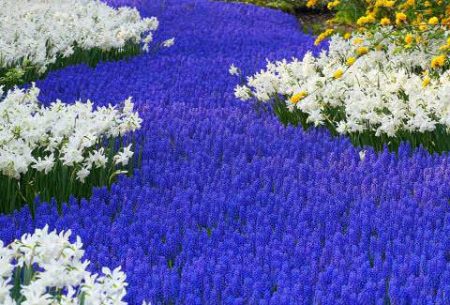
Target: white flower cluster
x,y
40,31
35,136
52,272
357,89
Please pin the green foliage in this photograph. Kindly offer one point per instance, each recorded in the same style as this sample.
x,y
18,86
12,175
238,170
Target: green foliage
x,y
61,182
349,11
285,5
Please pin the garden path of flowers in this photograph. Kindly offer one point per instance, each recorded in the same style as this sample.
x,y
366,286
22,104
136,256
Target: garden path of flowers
x,y
230,207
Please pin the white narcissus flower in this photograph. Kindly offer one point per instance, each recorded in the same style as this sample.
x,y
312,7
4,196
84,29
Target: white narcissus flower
x,y
83,173
233,70
71,155
49,29
379,91
39,137
57,266
169,42
45,165
124,156
242,92
5,290
35,294
362,155
98,158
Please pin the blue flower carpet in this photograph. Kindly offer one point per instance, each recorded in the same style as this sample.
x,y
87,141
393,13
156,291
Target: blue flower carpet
x,y
231,207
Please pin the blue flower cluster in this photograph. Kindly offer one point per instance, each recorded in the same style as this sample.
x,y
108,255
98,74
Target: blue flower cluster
x,y
229,206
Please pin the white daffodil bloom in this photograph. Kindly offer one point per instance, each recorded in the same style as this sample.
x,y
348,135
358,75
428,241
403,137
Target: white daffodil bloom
x,y
233,70
56,265
40,31
124,156
83,173
374,90
46,164
36,137
169,42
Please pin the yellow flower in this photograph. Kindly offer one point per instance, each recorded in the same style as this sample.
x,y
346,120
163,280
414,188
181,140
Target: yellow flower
x,y
338,74
298,97
319,39
322,36
385,21
357,41
438,61
311,3
347,35
423,26
426,81
350,61
362,50
433,21
400,17
365,20
409,39
389,3
443,48
333,4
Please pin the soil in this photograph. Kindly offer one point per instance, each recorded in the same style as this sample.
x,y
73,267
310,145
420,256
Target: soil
x,y
313,21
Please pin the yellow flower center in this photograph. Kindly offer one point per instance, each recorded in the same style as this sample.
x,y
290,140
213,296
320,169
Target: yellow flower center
x,y
350,61
362,50
426,81
338,74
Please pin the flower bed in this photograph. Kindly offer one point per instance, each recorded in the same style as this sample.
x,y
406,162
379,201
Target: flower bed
x,y
230,207
385,83
37,36
45,268
226,210
377,96
60,150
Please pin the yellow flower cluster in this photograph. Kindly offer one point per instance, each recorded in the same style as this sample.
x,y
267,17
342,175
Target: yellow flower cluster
x,y
311,3
438,61
416,18
403,12
323,35
333,4
407,12
365,20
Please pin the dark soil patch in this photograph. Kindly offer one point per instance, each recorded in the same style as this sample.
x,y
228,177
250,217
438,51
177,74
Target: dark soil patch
x,y
313,21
